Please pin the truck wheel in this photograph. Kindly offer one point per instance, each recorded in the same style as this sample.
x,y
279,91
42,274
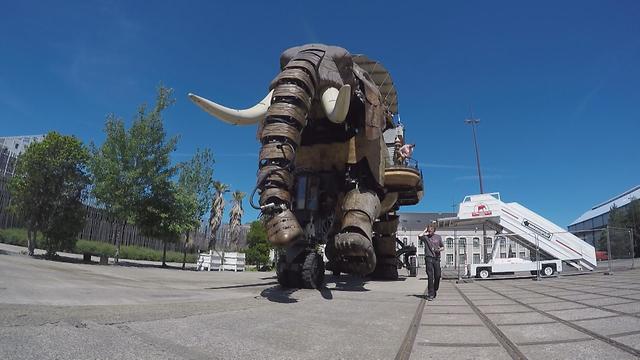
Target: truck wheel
x,y
548,270
484,273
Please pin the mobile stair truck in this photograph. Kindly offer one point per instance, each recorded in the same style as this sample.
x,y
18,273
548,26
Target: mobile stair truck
x,y
555,245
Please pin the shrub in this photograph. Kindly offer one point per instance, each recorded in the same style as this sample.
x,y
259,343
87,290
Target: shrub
x,y
141,253
95,247
18,236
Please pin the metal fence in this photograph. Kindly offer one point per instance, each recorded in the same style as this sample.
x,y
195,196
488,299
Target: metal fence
x,y
99,226
615,247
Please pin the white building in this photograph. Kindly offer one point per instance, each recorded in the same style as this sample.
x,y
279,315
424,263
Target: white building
x,y
472,244
10,148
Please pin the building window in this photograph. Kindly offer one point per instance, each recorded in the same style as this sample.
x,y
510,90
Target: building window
x,y
462,260
449,259
476,243
503,255
476,258
449,243
522,255
462,242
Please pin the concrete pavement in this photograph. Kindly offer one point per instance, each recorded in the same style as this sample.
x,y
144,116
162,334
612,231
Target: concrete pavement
x,y
55,310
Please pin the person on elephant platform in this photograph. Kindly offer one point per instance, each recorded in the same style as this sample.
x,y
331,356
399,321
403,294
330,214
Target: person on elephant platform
x,y
406,151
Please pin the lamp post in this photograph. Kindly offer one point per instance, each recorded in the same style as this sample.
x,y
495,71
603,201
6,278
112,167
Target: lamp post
x,y
471,120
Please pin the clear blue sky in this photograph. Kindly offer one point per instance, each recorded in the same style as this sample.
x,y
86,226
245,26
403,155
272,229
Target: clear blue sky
x,y
556,84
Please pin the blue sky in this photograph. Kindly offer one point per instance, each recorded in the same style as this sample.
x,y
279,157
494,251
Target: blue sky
x,y
555,84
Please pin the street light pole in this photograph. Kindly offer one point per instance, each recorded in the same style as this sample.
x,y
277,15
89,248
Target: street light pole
x,y
473,123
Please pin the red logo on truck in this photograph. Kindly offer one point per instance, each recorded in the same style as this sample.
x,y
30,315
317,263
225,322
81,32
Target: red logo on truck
x,y
481,210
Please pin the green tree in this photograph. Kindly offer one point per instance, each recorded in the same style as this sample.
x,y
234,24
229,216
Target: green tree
x,y
235,217
217,211
621,219
258,247
634,214
131,170
48,188
196,180
168,215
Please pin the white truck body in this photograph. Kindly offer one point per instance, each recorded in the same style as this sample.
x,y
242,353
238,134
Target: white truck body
x,y
514,265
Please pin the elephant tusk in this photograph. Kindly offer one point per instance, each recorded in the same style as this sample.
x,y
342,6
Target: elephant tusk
x,y
336,103
232,116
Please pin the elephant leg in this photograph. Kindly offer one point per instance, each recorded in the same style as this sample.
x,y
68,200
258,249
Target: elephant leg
x,y
279,134
353,245
384,244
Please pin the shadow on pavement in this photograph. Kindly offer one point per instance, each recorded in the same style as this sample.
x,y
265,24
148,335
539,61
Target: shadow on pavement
x,y
347,283
240,286
333,283
155,266
279,294
419,296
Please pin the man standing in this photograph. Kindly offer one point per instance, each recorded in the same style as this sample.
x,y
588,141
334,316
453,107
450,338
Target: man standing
x,y
432,247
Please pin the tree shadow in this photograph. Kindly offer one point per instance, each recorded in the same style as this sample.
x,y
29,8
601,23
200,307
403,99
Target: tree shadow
x,y
126,263
62,259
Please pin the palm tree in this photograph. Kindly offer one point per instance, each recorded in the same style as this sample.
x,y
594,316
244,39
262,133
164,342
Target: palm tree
x,y
217,210
235,216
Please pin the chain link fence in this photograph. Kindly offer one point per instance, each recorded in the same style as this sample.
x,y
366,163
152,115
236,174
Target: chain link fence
x,y
615,247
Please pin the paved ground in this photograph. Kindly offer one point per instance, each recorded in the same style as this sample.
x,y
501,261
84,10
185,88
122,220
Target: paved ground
x,y
55,310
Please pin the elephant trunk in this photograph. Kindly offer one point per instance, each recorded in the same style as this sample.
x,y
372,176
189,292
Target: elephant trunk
x,y
280,135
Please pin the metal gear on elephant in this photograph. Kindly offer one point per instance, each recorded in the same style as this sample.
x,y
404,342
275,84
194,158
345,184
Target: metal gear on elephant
x,y
326,171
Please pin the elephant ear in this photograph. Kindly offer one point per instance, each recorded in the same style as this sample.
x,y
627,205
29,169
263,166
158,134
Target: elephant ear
x,y
373,107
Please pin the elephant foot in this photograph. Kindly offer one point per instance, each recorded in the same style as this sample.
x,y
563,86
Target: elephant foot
x,y
355,254
386,269
283,227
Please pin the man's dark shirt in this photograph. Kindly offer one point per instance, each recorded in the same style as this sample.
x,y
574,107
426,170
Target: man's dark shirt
x,y
432,245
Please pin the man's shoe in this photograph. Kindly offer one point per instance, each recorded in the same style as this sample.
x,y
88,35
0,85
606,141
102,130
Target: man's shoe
x,y
429,298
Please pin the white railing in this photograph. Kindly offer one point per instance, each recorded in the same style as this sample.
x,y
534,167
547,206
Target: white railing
x,y
219,261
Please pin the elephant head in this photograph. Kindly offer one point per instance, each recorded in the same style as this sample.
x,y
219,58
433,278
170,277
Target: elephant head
x,y
317,84
325,71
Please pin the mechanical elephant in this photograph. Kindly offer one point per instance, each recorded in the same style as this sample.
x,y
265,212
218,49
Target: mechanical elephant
x,y
322,163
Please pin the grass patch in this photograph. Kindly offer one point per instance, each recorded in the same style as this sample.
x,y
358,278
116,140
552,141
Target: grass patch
x,y
17,236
